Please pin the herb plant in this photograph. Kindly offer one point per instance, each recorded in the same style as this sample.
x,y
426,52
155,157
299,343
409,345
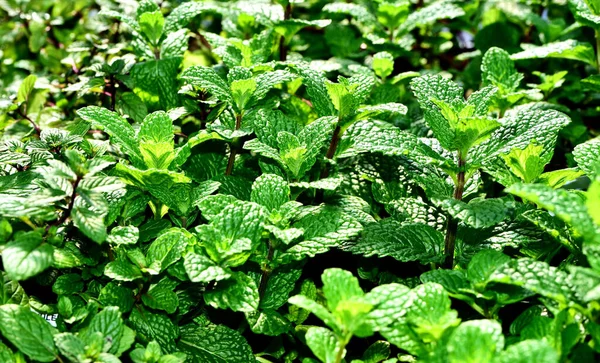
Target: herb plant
x,y
299,181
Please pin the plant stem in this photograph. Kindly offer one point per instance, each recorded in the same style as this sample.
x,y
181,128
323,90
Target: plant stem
x,y
266,271
452,226
113,93
335,140
340,354
233,153
282,47
36,127
67,212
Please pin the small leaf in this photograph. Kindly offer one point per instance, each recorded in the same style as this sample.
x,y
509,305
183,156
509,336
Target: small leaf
x,y
151,25
26,88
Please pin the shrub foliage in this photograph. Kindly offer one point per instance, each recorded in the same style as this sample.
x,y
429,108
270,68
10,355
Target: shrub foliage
x,y
305,181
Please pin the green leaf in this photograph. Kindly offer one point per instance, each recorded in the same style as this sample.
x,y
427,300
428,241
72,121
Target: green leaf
x,y
155,82
390,305
430,311
157,127
537,276
383,64
175,44
70,346
168,248
323,343
270,191
151,25
528,351
498,69
518,131
214,344
377,352
109,323
26,256
268,80
342,96
315,308
268,322
435,87
123,235
29,332
89,218
410,242
115,295
238,294
568,206
206,78
130,105
566,49
122,271
430,14
161,296
326,228
478,213
484,264
339,285
242,91
25,89
200,268
526,163
316,89
149,326
583,13
475,341
587,155
280,284
67,284
116,127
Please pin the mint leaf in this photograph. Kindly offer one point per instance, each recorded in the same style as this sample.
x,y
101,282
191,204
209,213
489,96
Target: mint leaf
x,y
27,256
410,242
29,332
216,344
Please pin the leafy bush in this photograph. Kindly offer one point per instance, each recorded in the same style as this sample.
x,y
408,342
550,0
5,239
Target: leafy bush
x,y
307,181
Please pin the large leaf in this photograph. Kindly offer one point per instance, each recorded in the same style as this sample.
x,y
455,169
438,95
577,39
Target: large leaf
x,y
410,242
29,332
215,344
27,256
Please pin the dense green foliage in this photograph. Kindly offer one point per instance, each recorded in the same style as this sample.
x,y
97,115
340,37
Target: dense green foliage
x,y
314,181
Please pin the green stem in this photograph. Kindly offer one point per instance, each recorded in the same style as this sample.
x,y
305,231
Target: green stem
x,y
452,227
266,271
340,354
233,153
335,140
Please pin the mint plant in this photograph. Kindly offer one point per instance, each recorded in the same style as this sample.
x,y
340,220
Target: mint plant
x,y
286,181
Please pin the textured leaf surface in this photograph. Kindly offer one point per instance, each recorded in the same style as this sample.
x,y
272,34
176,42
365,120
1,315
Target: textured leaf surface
x,y
536,276
411,242
587,156
478,213
27,256
476,341
29,332
217,344
568,49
